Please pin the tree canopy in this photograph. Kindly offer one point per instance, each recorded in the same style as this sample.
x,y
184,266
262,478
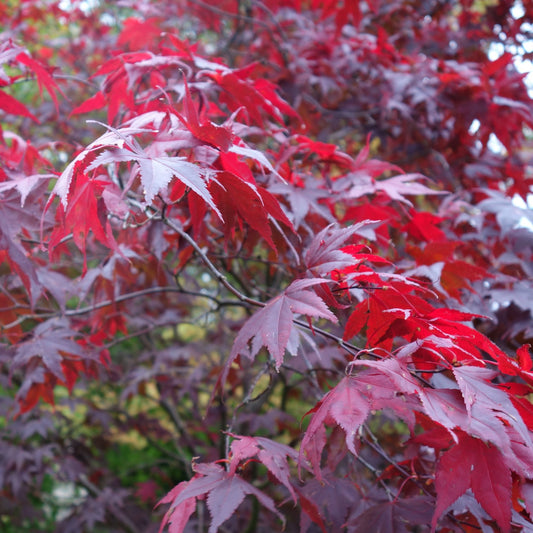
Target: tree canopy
x,y
266,265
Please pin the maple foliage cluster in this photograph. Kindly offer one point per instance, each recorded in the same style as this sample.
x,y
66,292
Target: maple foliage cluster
x,y
263,266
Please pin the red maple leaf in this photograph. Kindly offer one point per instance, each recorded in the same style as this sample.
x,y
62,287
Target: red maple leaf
x,y
473,464
44,78
273,326
13,106
272,454
343,405
206,131
223,490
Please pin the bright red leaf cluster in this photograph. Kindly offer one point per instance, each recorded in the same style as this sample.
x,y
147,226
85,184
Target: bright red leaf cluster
x,y
269,254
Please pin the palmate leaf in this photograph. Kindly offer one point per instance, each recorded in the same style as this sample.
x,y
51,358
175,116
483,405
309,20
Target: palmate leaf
x,y
17,258
11,53
83,214
324,254
12,106
224,491
91,104
256,155
138,34
204,130
112,138
477,390
343,405
49,356
473,464
24,184
303,200
14,218
395,368
50,342
273,325
272,454
239,200
157,171
177,517
397,516
446,407
328,502
44,78
256,97
396,188
223,488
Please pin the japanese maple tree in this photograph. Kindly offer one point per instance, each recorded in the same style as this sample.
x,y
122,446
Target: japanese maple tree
x,y
266,265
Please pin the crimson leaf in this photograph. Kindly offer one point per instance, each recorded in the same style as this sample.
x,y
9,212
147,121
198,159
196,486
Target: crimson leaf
x,y
343,405
273,325
224,490
473,464
272,454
